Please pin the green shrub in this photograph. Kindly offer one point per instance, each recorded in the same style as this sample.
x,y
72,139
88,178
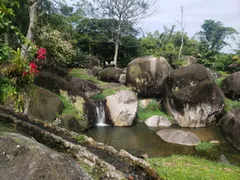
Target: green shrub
x,y
204,147
81,138
62,51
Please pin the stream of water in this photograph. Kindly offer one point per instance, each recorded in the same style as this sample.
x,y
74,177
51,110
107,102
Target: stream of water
x,y
140,139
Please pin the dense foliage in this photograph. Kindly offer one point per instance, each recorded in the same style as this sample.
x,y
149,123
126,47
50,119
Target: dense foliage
x,y
68,35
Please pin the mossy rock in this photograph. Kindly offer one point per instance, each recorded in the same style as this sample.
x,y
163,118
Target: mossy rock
x,y
145,75
192,97
44,104
110,74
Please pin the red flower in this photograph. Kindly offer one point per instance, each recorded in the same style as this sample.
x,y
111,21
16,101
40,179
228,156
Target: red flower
x,y
32,70
32,65
41,53
24,73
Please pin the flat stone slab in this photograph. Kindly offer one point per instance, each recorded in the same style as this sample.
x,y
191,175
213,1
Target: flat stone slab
x,y
178,137
157,121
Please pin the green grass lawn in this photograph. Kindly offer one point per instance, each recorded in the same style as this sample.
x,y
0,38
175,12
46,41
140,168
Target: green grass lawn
x,y
179,167
82,74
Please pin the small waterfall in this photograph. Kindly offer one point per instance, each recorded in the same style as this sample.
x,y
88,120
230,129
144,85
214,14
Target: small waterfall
x,y
101,118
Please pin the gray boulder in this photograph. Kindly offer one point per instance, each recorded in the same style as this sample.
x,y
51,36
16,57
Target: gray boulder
x,y
87,87
192,97
91,62
231,86
44,104
178,137
121,108
230,127
157,121
146,74
110,74
24,158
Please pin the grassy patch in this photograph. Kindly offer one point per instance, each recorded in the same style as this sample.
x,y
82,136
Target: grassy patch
x,y
81,138
224,74
104,94
82,74
187,167
151,110
69,108
204,147
230,104
219,81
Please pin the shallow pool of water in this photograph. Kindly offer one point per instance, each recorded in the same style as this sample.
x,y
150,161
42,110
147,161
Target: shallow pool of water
x,y
140,139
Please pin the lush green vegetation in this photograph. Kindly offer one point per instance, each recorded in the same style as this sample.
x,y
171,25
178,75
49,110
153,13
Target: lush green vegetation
x,y
69,108
231,104
188,167
153,108
204,147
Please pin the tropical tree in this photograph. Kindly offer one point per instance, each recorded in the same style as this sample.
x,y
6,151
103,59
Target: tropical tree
x,y
93,35
214,34
121,13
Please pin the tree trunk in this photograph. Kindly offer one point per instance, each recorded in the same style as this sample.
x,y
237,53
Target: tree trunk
x,y
33,6
180,50
182,34
116,52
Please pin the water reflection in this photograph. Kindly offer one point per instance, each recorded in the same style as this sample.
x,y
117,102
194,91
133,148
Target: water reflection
x,y
139,139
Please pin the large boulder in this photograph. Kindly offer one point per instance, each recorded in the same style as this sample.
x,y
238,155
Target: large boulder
x,y
178,137
192,97
230,127
146,74
121,108
44,104
110,74
53,67
59,85
24,158
157,121
231,86
87,87
91,62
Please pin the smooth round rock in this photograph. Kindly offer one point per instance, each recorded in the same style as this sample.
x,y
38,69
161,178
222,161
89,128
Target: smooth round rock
x,y
178,137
